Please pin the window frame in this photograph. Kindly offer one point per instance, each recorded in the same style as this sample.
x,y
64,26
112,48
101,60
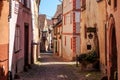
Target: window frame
x,y
17,46
71,18
65,40
83,5
65,19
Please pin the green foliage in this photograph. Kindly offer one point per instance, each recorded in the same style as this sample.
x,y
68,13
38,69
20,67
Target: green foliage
x,y
89,57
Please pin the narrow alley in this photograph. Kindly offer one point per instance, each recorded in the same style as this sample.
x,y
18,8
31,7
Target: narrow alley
x,y
51,67
59,40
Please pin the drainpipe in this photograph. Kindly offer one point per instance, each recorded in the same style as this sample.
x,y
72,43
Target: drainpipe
x,y
9,16
12,25
62,33
33,30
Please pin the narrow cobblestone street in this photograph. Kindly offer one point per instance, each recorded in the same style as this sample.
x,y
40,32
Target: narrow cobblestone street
x,y
50,67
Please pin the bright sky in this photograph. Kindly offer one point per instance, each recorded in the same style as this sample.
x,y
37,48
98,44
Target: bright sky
x,y
48,7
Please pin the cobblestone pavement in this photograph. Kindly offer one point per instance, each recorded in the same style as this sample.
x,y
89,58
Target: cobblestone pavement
x,y
50,67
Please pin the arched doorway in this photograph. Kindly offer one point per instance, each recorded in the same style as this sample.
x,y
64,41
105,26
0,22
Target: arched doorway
x,y
112,50
113,69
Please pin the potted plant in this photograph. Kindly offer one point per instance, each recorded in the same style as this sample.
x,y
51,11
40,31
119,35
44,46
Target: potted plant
x,y
88,58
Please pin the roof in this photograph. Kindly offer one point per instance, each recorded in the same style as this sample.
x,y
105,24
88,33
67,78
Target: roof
x,y
49,22
58,16
58,11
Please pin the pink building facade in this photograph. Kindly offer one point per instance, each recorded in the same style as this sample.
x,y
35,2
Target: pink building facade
x,y
71,29
113,38
22,51
16,34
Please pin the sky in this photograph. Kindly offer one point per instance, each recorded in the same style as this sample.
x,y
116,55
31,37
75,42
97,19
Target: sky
x,y
48,7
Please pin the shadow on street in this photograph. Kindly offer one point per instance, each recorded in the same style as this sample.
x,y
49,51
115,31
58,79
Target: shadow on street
x,y
51,67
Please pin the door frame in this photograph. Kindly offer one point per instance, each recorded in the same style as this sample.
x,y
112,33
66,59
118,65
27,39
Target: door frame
x,y
111,28
26,46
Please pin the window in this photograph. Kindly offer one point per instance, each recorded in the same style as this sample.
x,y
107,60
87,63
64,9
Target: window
x,y
26,3
20,0
109,2
67,18
77,16
59,17
71,43
89,47
77,4
83,5
65,40
98,0
115,3
44,34
85,31
64,19
71,17
58,30
17,39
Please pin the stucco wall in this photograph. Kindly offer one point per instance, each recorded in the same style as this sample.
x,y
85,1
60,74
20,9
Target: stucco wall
x,y
67,51
83,40
115,12
67,5
4,30
24,17
94,16
71,29
117,22
67,27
